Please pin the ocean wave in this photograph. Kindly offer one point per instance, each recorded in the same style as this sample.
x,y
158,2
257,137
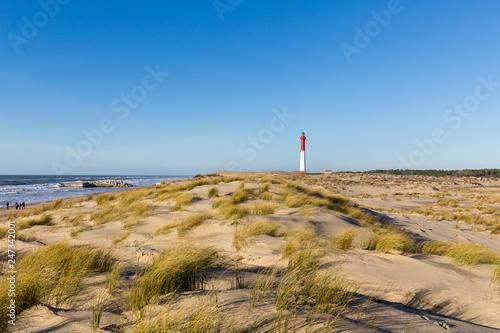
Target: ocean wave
x,y
34,189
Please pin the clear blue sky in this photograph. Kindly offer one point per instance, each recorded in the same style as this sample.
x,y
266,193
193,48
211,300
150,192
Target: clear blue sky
x,y
363,99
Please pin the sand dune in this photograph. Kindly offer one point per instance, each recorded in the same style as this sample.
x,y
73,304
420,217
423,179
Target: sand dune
x,y
390,290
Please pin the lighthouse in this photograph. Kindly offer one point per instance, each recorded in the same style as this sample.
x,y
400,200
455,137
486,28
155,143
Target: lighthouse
x,y
303,153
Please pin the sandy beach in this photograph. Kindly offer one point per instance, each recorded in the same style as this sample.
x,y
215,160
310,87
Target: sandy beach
x,y
270,252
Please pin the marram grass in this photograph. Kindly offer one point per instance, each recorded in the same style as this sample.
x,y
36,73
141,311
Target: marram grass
x,y
245,235
472,254
391,241
46,219
192,221
53,275
262,208
213,192
344,240
178,268
184,226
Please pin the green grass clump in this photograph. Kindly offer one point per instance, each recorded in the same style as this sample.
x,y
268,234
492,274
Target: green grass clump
x,y
178,268
239,196
264,188
181,201
245,235
191,222
262,208
166,228
266,196
305,286
219,202
293,200
104,199
140,209
113,279
495,229
27,237
472,254
168,191
234,179
76,231
434,247
204,316
112,213
306,211
391,241
53,274
185,225
229,208
46,219
106,215
78,218
297,239
233,212
213,192
50,206
345,239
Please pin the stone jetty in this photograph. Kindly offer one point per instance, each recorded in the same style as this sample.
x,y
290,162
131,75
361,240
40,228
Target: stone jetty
x,y
97,183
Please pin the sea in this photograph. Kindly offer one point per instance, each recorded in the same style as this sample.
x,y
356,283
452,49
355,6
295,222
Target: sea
x,y
34,189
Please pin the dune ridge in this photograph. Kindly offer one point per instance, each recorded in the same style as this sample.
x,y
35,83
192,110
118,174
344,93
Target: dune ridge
x,y
269,252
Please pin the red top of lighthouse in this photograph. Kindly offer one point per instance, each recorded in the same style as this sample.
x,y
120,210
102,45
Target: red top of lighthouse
x,y
303,142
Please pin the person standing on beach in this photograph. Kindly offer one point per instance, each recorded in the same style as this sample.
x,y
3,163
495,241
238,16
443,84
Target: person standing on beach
x,y
17,205
7,204
24,205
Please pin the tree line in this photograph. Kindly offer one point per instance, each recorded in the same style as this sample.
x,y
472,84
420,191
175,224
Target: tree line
x,y
459,173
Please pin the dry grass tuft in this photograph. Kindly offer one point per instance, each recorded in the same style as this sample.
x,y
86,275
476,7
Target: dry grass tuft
x,y
472,254
213,192
264,188
166,228
184,226
306,211
191,222
345,239
205,316
387,241
266,196
104,199
178,268
181,201
53,275
46,219
233,212
262,208
245,235
305,286
121,212
298,239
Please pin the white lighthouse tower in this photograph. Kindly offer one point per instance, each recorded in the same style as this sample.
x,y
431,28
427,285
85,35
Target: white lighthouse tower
x,y
303,153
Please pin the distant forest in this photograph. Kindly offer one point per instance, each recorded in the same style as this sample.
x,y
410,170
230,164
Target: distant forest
x,y
459,173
